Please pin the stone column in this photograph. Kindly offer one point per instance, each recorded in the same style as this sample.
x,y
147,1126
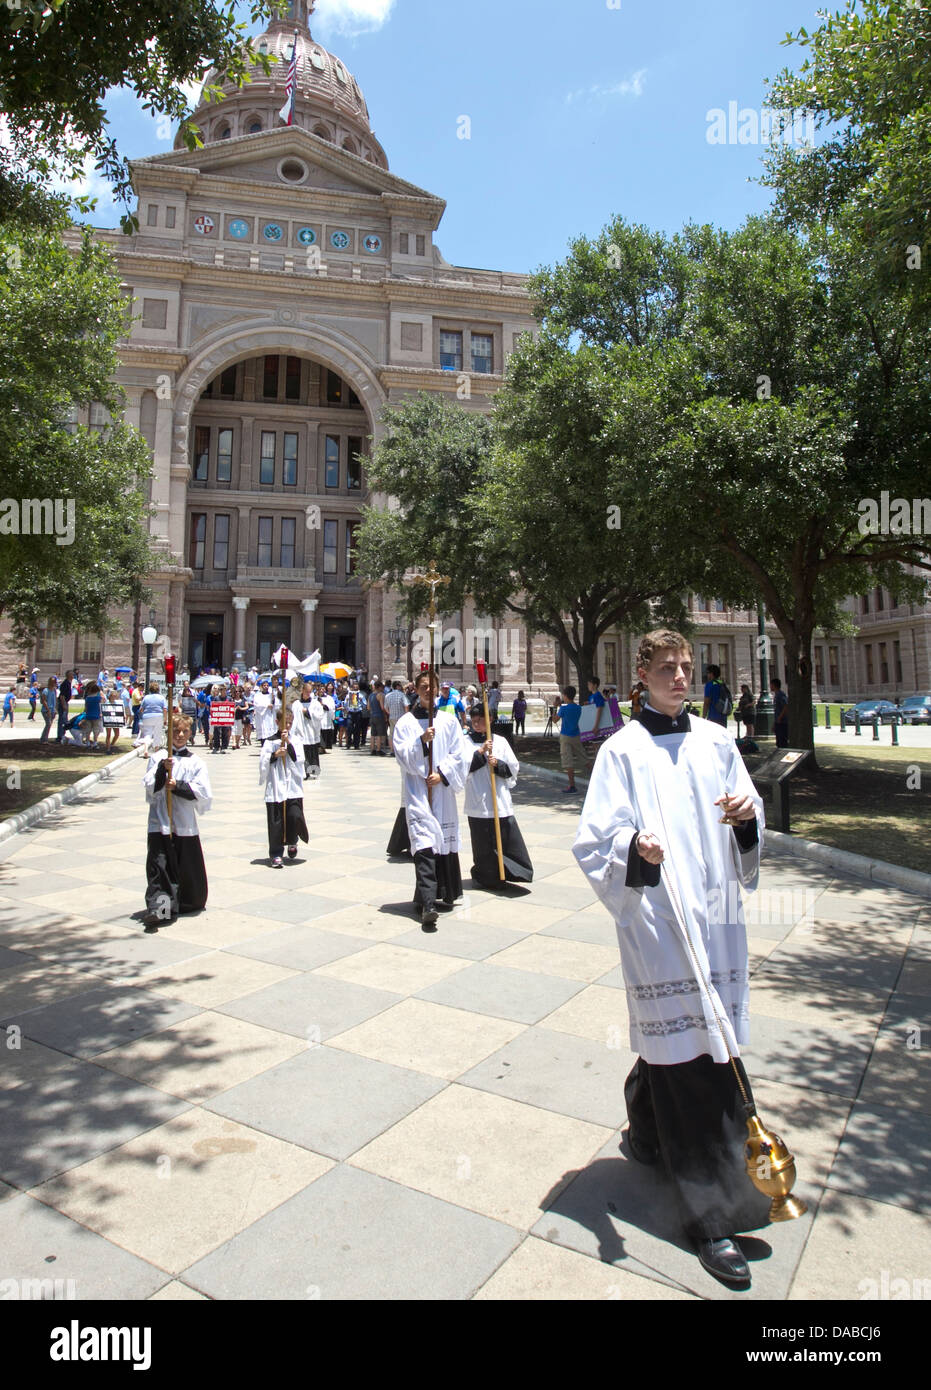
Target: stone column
x,y
308,608
239,636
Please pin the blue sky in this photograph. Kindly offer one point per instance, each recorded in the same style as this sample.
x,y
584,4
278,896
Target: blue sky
x,y
578,111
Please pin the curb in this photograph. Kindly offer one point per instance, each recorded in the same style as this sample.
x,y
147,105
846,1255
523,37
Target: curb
x,y
14,824
857,865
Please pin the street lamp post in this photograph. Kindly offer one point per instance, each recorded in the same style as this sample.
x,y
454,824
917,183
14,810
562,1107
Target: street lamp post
x,y
397,635
149,637
765,713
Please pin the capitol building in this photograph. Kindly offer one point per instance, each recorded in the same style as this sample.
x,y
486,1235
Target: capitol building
x,y
286,286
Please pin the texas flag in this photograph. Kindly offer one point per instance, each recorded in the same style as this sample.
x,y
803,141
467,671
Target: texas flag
x,y
287,111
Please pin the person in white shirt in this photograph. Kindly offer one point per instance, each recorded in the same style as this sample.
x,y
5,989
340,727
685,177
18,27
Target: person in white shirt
x,y
281,770
307,721
176,879
492,760
265,708
328,727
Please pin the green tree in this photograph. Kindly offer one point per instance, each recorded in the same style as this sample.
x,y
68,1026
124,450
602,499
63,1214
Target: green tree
x,y
61,313
57,60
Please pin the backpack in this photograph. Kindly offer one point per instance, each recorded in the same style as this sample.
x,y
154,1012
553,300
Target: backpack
x,y
725,701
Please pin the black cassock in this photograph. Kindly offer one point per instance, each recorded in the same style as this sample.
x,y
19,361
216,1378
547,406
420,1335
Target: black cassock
x,y
174,868
400,840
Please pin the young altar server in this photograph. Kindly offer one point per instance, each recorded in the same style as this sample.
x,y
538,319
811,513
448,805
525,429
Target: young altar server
x,y
492,758
651,835
176,878
281,769
307,720
266,705
430,799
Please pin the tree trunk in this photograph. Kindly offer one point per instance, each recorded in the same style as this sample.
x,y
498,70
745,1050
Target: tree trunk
x,y
798,661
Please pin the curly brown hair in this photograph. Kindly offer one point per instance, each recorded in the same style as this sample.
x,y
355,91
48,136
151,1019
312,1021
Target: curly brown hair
x,y
661,639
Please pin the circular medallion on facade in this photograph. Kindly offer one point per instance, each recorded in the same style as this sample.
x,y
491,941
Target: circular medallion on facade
x,y
340,240
238,228
307,236
204,225
372,244
272,232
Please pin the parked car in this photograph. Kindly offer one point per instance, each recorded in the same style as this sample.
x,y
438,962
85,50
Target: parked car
x,y
868,709
917,709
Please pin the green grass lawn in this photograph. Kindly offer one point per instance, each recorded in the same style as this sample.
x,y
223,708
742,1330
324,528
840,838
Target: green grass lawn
x,y
29,772
870,799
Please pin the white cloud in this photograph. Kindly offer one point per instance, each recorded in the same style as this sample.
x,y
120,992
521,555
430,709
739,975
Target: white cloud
x,y
352,16
630,87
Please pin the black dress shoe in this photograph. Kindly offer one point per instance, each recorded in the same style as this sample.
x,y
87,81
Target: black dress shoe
x,y
428,918
724,1259
443,905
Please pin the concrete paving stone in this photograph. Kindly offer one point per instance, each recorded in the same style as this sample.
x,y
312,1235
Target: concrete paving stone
x,y
100,1018
10,960
541,1271
217,928
113,897
237,896
309,1007
299,948
898,1073
838,968
177,1192
484,1152
133,957
177,1292
395,871
876,905
343,1101
823,1058
354,1237
22,883
571,960
456,935
290,905
811,1123
546,893
91,871
371,891
201,1057
392,967
340,844
613,979
599,931
50,1257
215,977
864,1251
41,982
338,865
29,1061
884,1156
367,921
561,1072
595,1012
485,988
801,999
616,1210
430,1038
70,1115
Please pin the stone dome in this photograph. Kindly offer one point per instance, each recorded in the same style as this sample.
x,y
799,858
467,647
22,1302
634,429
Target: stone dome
x,y
328,99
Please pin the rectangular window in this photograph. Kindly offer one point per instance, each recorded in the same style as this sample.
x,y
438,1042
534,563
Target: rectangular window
x,y
723,661
90,647
267,463
70,423
897,657
270,377
221,541
834,664
869,663
404,243
880,605
334,388
198,539
292,379
330,542
48,644
354,466
228,381
170,214
332,461
266,527
865,603
152,215
421,244
482,347
201,452
704,660
288,531
290,460
224,456
703,604
351,529
819,666
884,662
720,606
610,663
450,352
99,416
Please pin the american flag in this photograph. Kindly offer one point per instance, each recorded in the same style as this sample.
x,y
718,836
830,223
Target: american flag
x,y
287,111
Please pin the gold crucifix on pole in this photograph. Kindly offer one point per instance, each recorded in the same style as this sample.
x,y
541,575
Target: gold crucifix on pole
x,y
434,579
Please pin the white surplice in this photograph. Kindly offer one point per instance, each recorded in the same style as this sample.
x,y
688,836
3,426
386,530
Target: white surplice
x,y
189,771
666,786
478,784
433,826
283,777
265,711
307,720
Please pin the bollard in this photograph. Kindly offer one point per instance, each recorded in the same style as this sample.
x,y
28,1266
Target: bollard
x,y
827,716
843,722
856,722
814,716
895,733
875,728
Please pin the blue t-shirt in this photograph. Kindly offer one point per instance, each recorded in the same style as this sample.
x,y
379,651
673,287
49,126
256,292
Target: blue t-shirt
x,y
596,698
153,704
92,706
9,701
569,716
713,692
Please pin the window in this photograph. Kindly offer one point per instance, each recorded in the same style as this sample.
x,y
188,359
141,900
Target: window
x,y
201,453
351,529
723,661
288,530
198,538
332,461
704,660
897,658
884,662
290,460
170,214
292,379
99,416
89,646
701,604
221,541
267,464
225,133
334,389
270,378
404,243
152,215
70,423
421,245
869,663
48,643
720,606
834,665
819,666
330,531
228,381
481,352
451,352
354,466
880,605
865,603
266,525
610,663
255,127
224,456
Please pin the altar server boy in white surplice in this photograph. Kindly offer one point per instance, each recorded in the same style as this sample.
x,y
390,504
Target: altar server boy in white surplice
x,y
657,795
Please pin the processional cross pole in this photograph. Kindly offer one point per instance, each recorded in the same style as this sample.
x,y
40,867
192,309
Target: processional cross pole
x,y
434,579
